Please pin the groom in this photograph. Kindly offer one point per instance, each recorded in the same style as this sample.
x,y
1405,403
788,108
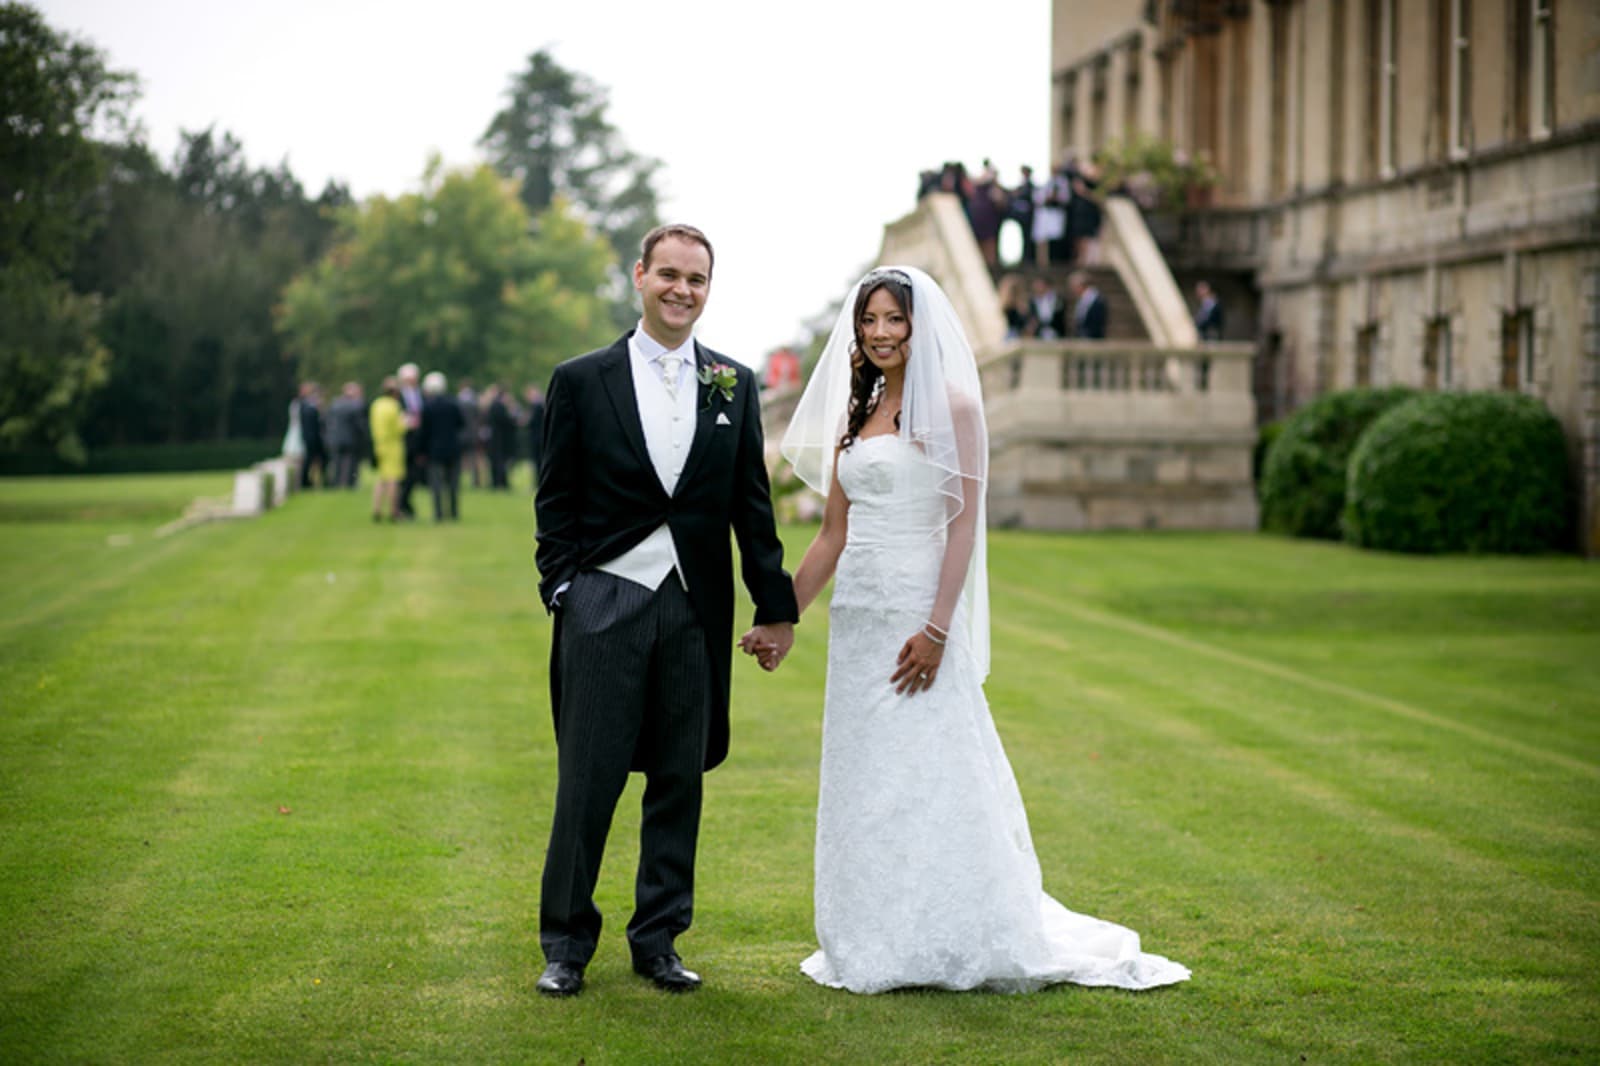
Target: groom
x,y
652,454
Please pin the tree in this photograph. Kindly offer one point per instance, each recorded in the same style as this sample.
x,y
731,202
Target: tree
x,y
553,138
192,262
58,92
454,278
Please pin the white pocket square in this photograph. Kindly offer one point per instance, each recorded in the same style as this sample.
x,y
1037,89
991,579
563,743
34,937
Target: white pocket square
x,y
722,419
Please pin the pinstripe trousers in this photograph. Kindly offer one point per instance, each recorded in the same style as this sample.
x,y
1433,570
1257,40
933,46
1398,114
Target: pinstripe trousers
x,y
635,692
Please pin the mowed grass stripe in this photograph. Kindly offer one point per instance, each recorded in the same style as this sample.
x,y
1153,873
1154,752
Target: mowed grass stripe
x,y
1278,864
1521,815
1233,658
1350,884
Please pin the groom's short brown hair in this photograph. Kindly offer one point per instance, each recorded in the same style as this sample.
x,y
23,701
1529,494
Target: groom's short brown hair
x,y
681,231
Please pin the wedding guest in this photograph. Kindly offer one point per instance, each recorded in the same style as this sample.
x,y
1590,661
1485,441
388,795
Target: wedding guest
x,y
1084,216
311,431
953,180
1088,309
440,431
294,442
1021,212
1208,317
347,435
386,425
987,203
1054,197
502,438
411,411
1014,302
1047,312
471,443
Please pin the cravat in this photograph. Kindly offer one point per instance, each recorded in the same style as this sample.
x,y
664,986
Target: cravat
x,y
670,362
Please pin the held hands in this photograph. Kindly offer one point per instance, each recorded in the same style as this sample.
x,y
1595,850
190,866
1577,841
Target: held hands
x,y
918,664
768,643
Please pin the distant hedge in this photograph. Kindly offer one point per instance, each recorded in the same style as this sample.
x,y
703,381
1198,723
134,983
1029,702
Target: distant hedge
x,y
1304,473
145,458
1461,472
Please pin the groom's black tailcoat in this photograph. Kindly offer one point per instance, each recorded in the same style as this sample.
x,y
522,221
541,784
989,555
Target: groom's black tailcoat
x,y
645,671
599,496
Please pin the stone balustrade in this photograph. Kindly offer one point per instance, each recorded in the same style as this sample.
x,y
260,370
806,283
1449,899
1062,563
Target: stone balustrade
x,y
1102,435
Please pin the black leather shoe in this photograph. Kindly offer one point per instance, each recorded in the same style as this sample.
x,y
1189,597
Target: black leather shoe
x,y
667,972
561,979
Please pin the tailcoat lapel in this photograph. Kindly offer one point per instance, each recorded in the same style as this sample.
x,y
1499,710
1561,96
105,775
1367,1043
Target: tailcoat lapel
x,y
617,376
707,406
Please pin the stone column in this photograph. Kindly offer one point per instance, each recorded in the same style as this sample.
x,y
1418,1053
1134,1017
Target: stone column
x,y
250,494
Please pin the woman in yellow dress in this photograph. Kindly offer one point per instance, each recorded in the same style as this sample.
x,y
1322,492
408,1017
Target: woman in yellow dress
x,y
388,449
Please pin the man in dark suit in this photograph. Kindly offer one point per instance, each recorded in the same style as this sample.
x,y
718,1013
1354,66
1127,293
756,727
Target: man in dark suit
x,y
440,432
652,454
347,435
1088,309
502,438
1208,317
1047,312
311,432
1021,212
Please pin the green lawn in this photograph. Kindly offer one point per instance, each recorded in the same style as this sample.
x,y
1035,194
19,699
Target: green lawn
x,y
278,790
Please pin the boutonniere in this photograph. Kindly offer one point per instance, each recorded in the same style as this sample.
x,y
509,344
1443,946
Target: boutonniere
x,y
718,377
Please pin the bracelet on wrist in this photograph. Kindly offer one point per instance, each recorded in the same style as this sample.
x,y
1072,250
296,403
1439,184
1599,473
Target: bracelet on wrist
x,y
929,630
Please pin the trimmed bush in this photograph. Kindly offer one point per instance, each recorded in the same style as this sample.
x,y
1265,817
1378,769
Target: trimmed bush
x,y
1266,436
144,458
1304,474
1461,472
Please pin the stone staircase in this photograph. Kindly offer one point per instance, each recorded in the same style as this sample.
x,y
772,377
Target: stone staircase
x,y
1123,322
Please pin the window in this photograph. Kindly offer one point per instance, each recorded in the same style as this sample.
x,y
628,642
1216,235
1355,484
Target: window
x,y
1239,107
1438,359
1542,69
1130,85
1459,71
1278,130
1366,348
1097,102
1069,110
1382,107
1164,61
1516,350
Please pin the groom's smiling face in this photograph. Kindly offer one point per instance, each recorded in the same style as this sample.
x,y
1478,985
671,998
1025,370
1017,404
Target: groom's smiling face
x,y
672,287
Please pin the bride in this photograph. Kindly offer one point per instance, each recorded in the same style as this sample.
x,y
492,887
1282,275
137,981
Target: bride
x,y
925,870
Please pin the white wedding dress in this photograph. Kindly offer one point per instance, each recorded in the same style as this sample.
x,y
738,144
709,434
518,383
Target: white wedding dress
x,y
925,870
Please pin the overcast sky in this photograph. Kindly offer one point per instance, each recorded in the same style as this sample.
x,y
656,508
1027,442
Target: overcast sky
x,y
789,132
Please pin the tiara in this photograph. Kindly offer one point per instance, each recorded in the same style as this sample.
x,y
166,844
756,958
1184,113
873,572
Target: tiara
x,y
887,274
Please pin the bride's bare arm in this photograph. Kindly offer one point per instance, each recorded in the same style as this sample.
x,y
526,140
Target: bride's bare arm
x,y
918,663
816,568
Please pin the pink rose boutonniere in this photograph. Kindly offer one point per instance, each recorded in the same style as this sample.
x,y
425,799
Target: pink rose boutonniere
x,y
718,377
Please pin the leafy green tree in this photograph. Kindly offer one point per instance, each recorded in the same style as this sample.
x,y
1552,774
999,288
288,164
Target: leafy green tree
x,y
553,138
192,261
58,95
454,278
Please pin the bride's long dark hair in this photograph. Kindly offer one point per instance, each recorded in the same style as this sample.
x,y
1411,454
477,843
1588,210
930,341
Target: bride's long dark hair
x,y
864,373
